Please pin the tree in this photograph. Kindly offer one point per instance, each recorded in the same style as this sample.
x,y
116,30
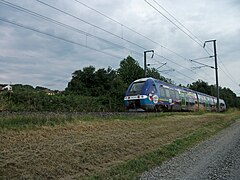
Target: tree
x,y
226,94
201,86
89,82
229,96
103,81
153,72
130,70
81,81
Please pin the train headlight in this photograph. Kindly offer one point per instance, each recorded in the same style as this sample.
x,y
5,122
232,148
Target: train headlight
x,y
150,97
155,99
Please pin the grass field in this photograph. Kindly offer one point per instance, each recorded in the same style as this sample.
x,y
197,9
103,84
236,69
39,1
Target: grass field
x,y
45,146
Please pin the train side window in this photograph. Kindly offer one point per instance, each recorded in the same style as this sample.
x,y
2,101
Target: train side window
x,y
162,92
177,94
172,94
183,95
167,93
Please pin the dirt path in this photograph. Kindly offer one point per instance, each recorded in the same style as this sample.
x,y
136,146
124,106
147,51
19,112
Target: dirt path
x,y
217,158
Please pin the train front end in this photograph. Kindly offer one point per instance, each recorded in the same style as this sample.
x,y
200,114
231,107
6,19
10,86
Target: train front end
x,y
140,95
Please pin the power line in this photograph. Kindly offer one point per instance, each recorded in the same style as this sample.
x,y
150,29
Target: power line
x,y
173,23
200,41
80,19
227,72
184,75
69,27
180,79
234,82
56,37
91,24
136,31
85,33
190,32
179,65
129,28
63,39
63,25
69,41
119,24
102,29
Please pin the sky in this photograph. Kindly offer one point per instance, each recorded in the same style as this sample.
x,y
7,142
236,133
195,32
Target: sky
x,y
42,42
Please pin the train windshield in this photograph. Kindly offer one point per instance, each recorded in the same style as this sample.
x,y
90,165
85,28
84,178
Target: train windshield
x,y
136,88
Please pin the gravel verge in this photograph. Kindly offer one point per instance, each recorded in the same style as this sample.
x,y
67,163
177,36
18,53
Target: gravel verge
x,y
216,158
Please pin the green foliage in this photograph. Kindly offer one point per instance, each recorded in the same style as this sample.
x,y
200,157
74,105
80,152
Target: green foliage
x,y
130,70
3,102
41,101
152,72
29,121
89,82
21,88
106,84
224,93
95,90
230,97
201,86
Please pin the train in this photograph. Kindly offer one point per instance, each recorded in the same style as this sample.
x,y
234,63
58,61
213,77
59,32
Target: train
x,y
149,94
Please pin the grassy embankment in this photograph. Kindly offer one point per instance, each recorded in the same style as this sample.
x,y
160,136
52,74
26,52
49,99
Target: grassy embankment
x,y
93,147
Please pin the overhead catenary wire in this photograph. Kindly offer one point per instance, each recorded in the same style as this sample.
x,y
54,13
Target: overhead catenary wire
x,y
234,82
72,28
63,39
191,35
80,19
84,4
172,22
122,25
131,29
56,37
200,41
63,24
180,65
163,57
178,73
69,41
190,32
227,72
91,24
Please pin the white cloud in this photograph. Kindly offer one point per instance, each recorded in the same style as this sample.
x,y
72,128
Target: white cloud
x,y
36,59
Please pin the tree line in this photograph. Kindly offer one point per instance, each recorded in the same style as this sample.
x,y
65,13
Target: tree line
x,y
92,89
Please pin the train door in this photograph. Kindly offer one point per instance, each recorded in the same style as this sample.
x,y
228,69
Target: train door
x,y
183,99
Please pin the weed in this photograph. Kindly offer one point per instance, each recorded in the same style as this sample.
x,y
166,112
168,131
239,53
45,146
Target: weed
x,y
40,146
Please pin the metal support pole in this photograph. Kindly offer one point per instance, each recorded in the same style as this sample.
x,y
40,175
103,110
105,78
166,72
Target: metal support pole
x,y
145,61
216,71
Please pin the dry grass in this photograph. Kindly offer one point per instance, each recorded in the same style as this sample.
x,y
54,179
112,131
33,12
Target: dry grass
x,y
83,148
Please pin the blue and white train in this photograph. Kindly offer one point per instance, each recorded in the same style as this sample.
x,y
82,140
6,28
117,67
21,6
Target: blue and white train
x,y
149,94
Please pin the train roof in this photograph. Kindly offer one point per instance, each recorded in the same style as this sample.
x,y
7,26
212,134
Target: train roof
x,y
143,79
174,86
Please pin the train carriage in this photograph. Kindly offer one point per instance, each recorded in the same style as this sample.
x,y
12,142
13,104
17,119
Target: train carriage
x,y
149,94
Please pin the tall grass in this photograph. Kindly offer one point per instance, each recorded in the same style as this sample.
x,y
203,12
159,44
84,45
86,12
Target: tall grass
x,y
98,146
33,120
26,120
132,169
